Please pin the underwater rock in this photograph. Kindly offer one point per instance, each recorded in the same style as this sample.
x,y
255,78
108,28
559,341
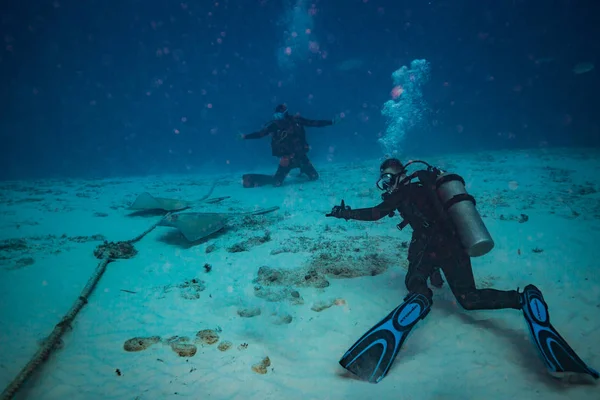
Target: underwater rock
x,y
115,250
370,264
176,339
190,294
225,345
281,319
261,367
322,305
140,343
280,294
237,248
184,349
315,279
249,312
268,275
325,304
350,257
324,265
207,336
190,289
269,294
295,298
296,277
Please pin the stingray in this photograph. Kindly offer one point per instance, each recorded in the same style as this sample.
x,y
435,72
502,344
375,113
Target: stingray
x,y
147,202
196,225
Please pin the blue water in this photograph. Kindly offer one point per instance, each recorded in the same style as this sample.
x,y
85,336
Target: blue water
x,y
94,88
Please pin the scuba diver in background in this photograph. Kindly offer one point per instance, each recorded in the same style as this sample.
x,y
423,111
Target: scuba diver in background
x,y
447,231
288,142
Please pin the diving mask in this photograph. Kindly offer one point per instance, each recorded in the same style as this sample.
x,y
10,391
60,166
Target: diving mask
x,y
281,111
387,181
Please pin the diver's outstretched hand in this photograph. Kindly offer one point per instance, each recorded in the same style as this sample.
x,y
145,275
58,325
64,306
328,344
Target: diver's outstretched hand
x,y
339,211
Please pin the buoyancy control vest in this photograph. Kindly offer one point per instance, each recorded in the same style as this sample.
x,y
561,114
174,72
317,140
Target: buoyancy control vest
x,y
455,209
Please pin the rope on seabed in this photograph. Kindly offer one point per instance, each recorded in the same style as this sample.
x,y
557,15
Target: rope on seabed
x,y
52,341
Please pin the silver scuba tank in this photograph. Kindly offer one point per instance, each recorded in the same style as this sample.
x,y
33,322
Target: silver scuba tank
x,y
460,207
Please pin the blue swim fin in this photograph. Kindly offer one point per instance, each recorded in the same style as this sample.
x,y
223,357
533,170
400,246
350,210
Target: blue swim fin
x,y
560,359
372,355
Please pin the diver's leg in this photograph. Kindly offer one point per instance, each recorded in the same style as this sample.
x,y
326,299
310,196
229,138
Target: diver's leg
x,y
284,168
459,274
436,278
306,167
420,266
560,359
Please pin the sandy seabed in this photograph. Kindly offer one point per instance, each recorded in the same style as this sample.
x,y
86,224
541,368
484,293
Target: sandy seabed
x,y
265,308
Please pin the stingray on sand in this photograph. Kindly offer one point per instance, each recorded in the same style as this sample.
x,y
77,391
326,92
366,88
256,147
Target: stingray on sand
x,y
196,225
147,202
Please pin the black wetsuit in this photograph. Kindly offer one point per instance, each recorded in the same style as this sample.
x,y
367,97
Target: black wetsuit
x,y
288,142
434,245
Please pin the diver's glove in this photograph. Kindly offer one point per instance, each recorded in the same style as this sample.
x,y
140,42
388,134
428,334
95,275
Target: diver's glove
x,y
340,211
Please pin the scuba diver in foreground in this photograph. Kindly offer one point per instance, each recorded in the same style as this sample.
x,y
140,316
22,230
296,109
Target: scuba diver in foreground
x,y
288,142
447,231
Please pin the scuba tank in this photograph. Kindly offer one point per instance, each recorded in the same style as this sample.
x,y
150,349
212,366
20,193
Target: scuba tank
x,y
454,203
460,207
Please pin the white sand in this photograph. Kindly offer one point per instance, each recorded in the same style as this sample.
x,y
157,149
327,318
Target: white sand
x,y
452,354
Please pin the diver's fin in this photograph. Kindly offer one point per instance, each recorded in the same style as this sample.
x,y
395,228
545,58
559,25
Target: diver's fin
x,y
256,180
560,359
372,355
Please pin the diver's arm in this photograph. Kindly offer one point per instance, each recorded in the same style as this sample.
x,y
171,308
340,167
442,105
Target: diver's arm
x,y
266,131
386,208
256,135
314,123
371,213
